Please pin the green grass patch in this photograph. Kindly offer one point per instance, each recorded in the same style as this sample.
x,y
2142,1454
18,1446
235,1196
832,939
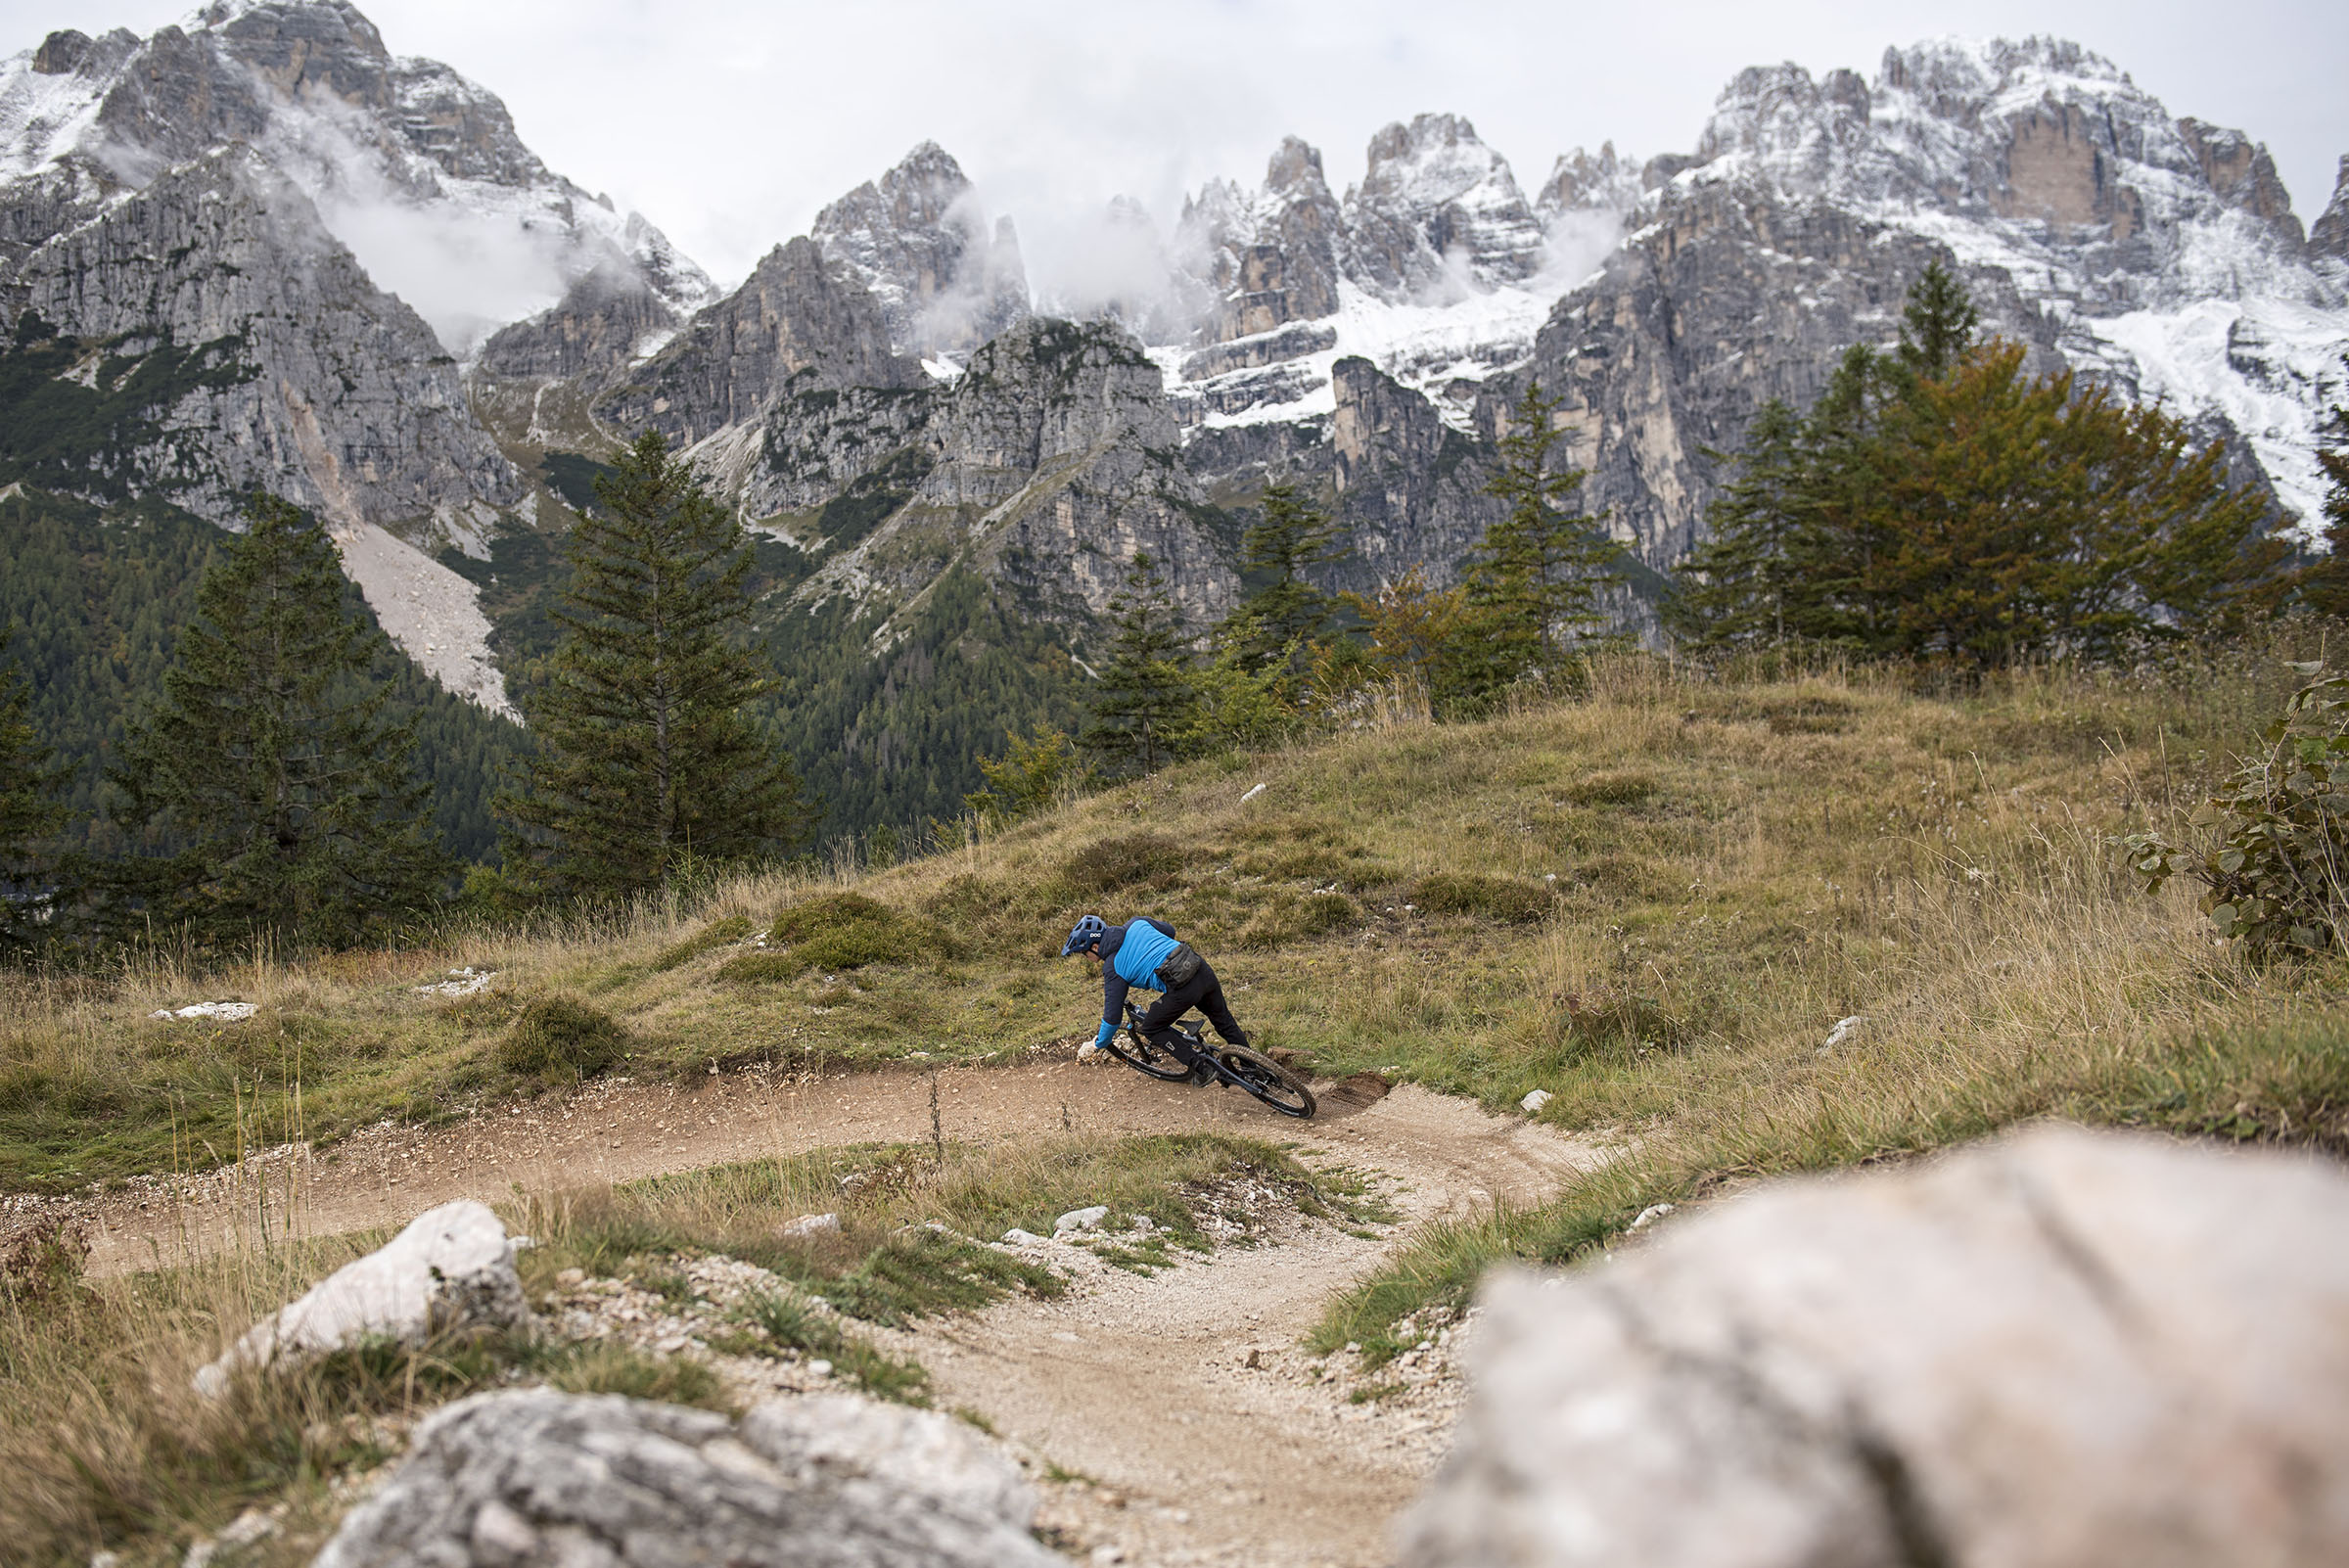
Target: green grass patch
x,y
716,934
792,1322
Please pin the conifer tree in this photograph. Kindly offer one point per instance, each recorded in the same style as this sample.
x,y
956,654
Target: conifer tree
x,y
1938,324
642,756
1145,701
1938,502
271,792
1749,583
30,811
1532,590
2326,584
1284,612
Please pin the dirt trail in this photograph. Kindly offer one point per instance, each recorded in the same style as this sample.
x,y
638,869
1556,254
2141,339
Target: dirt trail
x,y
1138,1383
1144,1385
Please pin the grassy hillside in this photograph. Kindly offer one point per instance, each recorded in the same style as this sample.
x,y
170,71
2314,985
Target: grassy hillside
x,y
1654,904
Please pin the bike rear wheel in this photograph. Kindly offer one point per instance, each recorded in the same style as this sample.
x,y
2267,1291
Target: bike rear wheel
x,y
1129,1046
1267,1080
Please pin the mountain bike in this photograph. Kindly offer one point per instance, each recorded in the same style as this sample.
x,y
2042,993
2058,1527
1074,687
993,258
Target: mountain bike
x,y
1258,1074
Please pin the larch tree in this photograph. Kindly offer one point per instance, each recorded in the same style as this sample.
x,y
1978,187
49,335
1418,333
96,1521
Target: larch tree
x,y
268,795
643,757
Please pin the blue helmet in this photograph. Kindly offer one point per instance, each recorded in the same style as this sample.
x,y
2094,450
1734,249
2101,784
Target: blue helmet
x,y
1084,936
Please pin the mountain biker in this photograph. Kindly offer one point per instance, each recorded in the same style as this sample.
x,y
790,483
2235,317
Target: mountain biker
x,y
1146,952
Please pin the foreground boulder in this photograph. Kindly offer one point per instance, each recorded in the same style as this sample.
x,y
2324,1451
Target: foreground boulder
x,y
452,1268
533,1478
2070,1348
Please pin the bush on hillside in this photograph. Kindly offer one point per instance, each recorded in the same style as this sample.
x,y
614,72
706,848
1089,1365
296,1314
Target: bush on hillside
x,y
1127,860
1502,898
2277,878
761,968
561,1039
849,931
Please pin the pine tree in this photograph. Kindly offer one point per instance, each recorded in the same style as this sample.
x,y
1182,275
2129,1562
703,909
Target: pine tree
x,y
1938,502
642,757
1938,325
272,793
2326,584
2024,516
30,811
1748,585
1145,701
1532,591
1284,612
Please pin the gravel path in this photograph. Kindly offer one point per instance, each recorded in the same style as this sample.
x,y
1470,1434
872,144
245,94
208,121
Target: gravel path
x,y
1136,1393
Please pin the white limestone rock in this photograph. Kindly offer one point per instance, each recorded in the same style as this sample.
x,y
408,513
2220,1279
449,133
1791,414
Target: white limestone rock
x,y
2066,1348
452,1266
532,1478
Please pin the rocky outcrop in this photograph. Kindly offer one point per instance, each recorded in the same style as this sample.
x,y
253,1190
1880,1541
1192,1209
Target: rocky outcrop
x,y
2329,234
452,1268
796,316
916,240
539,1479
1408,487
1047,466
2242,175
1437,212
313,384
1267,258
2072,1348
1726,298
1580,182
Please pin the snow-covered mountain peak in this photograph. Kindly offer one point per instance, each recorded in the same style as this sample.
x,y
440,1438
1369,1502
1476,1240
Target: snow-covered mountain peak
x,y
1584,182
1438,208
414,167
946,279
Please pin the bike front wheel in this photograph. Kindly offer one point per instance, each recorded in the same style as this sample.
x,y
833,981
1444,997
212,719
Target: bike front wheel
x,y
1129,1046
1267,1080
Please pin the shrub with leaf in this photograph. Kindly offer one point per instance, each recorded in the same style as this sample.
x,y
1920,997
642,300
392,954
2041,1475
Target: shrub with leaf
x,y
2277,878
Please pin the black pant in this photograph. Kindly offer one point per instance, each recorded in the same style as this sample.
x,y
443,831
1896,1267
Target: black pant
x,y
1203,992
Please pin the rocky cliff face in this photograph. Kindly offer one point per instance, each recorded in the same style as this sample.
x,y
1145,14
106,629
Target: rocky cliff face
x,y
324,388
414,168
274,238
917,241
797,315
1268,258
2328,235
2156,255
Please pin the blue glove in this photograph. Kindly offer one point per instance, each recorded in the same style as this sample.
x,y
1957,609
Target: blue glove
x,y
1108,1028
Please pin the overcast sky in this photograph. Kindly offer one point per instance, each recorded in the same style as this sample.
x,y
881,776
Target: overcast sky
x,y
729,125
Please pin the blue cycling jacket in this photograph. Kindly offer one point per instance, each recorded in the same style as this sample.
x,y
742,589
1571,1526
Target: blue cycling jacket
x,y
1130,954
